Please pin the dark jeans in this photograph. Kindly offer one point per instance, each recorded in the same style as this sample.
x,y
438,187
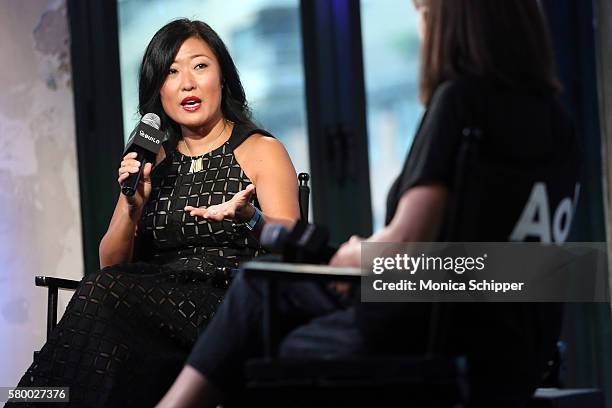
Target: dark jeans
x,y
314,322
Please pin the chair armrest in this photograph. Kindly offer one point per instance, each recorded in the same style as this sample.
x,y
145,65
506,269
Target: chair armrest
x,y
53,284
573,397
281,270
272,272
61,283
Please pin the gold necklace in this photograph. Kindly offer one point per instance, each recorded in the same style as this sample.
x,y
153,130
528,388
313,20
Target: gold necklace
x,y
197,164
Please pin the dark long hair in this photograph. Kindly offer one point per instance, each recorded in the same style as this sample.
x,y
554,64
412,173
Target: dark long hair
x,y
160,55
506,41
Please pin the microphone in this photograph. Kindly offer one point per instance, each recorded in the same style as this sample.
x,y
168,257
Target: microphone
x,y
305,243
145,140
273,238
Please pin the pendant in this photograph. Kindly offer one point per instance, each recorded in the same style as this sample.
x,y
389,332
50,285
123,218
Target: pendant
x,y
196,165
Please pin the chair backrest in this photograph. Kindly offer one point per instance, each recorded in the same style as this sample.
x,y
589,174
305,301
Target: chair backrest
x,y
303,195
543,196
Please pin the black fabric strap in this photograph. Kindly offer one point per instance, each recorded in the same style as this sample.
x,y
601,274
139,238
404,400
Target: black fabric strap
x,y
240,133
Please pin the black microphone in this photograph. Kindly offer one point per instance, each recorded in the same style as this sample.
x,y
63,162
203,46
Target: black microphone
x,y
273,238
305,243
145,140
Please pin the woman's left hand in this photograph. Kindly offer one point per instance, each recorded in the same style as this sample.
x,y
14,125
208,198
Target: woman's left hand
x,y
349,253
237,209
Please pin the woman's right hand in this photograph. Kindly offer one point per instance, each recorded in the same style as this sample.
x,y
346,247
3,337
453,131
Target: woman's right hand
x,y
130,165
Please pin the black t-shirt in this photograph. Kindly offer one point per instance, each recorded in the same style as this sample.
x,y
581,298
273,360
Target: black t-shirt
x,y
526,138
527,143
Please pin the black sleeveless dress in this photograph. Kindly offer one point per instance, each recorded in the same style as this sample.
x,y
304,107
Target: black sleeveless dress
x,y
128,328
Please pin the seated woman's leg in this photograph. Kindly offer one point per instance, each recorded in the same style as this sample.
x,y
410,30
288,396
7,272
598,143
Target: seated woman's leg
x,y
235,334
126,331
334,335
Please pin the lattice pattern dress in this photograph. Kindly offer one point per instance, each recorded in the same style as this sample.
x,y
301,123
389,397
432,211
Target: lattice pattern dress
x,y
128,328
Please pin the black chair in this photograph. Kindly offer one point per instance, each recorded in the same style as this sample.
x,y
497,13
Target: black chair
x,y
424,381
359,381
430,380
54,284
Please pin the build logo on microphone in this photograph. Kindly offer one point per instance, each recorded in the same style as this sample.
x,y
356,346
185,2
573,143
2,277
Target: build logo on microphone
x,y
151,138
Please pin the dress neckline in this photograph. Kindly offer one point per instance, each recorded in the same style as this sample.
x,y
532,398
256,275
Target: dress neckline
x,y
209,153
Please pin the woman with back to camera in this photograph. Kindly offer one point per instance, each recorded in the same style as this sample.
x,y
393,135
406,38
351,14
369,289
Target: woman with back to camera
x,y
169,248
484,64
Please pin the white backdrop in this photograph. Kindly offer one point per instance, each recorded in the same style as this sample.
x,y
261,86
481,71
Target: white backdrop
x,y
40,228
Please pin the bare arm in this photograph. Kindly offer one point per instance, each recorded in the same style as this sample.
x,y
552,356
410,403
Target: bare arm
x,y
274,177
418,216
117,245
267,164
417,219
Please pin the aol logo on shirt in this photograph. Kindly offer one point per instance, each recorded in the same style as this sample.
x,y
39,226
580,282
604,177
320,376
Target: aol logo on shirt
x,y
535,221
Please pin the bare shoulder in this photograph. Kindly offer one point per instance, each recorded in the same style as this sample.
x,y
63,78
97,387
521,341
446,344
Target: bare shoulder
x,y
259,147
260,143
260,153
